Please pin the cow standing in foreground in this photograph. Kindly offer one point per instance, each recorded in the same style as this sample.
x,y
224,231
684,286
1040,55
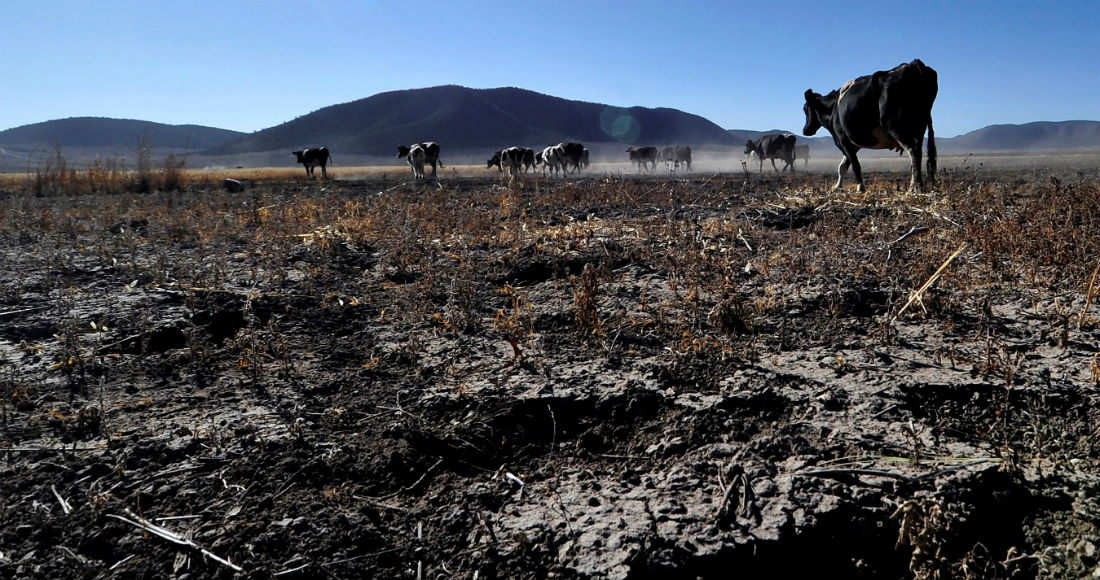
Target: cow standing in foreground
x,y
419,154
311,158
885,110
771,147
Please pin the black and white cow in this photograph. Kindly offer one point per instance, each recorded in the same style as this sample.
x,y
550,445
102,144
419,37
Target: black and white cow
x,y
512,158
773,147
553,158
643,157
802,152
885,110
573,155
495,160
312,158
522,157
420,154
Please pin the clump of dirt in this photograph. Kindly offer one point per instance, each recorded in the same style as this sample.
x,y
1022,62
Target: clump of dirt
x,y
588,378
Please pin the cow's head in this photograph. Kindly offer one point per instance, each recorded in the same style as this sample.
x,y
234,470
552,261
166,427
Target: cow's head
x,y
494,160
814,110
402,150
750,146
298,154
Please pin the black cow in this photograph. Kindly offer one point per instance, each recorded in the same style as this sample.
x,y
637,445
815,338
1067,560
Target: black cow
x,y
312,158
573,156
418,155
643,157
528,159
772,147
683,156
886,110
802,152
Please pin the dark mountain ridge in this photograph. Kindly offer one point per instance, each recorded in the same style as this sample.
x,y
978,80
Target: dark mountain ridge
x,y
475,120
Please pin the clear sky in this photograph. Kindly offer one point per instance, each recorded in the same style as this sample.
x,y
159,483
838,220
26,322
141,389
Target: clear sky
x,y
246,65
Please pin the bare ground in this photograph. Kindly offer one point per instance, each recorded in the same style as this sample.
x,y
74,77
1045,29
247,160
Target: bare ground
x,y
603,377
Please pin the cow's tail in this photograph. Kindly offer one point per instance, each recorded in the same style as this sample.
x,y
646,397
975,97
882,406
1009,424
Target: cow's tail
x,y
931,153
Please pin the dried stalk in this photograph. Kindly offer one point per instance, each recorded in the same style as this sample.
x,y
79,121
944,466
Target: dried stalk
x,y
916,296
173,537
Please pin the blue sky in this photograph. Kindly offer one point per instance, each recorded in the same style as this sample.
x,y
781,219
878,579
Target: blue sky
x,y
247,65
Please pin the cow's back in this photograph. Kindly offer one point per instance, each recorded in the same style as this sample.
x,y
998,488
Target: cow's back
x,y
906,95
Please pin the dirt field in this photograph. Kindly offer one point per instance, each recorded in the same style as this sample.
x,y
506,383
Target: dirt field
x,y
602,377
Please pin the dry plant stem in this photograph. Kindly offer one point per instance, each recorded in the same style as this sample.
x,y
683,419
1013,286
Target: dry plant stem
x,y
916,296
1092,290
171,536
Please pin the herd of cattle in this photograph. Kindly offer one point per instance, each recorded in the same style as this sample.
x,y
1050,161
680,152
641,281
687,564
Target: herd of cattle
x,y
885,110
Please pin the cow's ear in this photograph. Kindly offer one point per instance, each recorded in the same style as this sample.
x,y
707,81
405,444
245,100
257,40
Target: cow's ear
x,y
809,95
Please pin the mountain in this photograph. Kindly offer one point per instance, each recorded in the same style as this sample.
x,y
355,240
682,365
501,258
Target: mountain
x,y
1039,136
82,139
475,120
118,133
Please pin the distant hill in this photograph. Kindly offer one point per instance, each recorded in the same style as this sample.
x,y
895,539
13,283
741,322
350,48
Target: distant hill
x,y
1039,136
119,133
84,138
475,120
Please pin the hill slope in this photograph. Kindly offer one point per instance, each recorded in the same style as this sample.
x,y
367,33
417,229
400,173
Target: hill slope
x,y
464,119
82,139
101,132
1042,135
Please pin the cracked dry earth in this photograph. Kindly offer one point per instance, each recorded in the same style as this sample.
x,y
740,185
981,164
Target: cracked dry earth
x,y
709,376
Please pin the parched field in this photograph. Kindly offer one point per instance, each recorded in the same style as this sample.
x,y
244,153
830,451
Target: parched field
x,y
607,376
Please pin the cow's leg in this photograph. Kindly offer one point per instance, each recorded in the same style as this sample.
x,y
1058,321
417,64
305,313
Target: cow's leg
x,y
773,165
916,180
858,172
840,171
324,173
931,154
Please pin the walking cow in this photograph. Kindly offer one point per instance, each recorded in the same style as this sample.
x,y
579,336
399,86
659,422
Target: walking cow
x,y
312,158
802,152
771,147
885,110
419,154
